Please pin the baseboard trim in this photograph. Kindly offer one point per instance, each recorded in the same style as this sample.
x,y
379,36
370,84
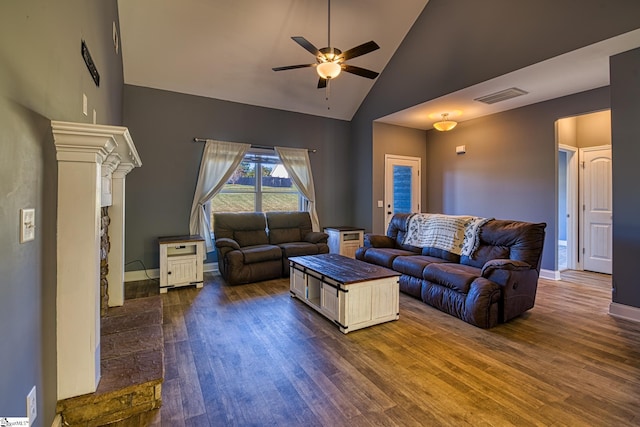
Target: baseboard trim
x,y
550,274
154,273
623,311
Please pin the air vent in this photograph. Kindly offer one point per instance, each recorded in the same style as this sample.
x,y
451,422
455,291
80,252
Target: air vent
x,y
503,95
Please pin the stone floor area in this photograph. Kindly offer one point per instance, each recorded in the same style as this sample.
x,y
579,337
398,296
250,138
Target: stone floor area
x,y
132,367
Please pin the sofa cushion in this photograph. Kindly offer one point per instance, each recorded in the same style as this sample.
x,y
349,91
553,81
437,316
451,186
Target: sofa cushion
x,y
250,238
397,231
413,265
441,253
261,253
454,276
299,249
288,226
384,256
246,228
507,239
283,235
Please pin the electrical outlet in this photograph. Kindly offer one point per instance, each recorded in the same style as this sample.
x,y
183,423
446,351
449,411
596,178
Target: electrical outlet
x,y
32,406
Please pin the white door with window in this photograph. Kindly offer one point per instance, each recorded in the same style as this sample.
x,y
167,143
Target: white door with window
x,y
597,209
401,185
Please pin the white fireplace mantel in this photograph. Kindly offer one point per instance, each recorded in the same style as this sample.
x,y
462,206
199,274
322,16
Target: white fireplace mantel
x,y
90,157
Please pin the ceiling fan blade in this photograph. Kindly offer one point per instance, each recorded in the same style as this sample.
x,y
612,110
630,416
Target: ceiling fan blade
x,y
307,45
322,83
292,67
360,50
362,72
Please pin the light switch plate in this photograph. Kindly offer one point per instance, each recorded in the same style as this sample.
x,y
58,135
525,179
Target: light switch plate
x,y
27,225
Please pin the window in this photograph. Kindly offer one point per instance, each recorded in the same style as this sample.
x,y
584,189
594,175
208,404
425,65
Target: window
x,y
243,192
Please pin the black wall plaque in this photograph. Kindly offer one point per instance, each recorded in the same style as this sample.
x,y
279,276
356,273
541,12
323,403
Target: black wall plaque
x,y
90,65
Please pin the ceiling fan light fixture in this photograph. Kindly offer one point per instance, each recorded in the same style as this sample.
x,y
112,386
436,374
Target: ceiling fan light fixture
x,y
445,125
328,70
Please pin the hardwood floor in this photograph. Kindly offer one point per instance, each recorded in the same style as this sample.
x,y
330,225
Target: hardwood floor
x,y
252,356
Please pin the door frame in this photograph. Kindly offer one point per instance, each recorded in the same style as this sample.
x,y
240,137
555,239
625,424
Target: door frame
x,y
387,159
583,231
574,260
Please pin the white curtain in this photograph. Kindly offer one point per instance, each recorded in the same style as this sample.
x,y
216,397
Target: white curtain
x,y
219,160
296,162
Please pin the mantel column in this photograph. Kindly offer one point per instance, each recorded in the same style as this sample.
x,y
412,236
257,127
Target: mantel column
x,y
115,276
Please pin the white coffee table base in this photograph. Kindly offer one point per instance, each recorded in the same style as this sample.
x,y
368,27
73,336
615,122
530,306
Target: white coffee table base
x,y
351,305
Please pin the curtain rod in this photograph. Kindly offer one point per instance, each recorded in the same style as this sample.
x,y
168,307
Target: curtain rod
x,y
264,147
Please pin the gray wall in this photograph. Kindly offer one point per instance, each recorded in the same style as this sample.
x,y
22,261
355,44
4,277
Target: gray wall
x,y
455,44
390,139
510,168
163,125
42,78
625,150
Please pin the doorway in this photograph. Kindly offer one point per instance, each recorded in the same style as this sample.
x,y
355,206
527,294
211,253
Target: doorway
x,y
401,185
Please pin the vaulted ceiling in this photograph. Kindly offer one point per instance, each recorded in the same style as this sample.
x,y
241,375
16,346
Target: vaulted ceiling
x,y
227,49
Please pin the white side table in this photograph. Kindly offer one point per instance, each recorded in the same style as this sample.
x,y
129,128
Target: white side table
x,y
345,240
181,261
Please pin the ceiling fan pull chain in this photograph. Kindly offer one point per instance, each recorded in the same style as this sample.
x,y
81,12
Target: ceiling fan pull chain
x,y
327,92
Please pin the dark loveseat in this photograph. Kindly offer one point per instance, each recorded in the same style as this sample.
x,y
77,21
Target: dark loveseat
x,y
253,246
496,283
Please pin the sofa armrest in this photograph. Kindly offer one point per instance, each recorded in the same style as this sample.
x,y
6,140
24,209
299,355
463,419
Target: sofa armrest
x,y
225,242
503,264
518,283
316,237
481,307
378,241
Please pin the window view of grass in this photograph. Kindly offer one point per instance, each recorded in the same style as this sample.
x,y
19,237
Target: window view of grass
x,y
240,193
242,199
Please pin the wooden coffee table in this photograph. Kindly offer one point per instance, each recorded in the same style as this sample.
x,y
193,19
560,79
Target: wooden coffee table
x,y
351,293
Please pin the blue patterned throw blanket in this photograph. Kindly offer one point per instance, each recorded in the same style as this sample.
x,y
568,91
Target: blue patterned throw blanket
x,y
457,234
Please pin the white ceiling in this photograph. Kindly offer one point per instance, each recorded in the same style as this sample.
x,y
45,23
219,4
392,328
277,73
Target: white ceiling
x,y
226,49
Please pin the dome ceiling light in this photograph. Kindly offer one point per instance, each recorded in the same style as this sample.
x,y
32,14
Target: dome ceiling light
x,y
445,124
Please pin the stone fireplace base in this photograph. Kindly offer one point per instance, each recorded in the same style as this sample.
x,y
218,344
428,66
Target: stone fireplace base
x,y
132,365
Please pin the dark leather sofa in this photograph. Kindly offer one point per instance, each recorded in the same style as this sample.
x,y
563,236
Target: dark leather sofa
x,y
493,285
254,246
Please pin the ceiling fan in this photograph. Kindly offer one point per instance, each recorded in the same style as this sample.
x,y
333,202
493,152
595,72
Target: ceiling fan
x,y
330,61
